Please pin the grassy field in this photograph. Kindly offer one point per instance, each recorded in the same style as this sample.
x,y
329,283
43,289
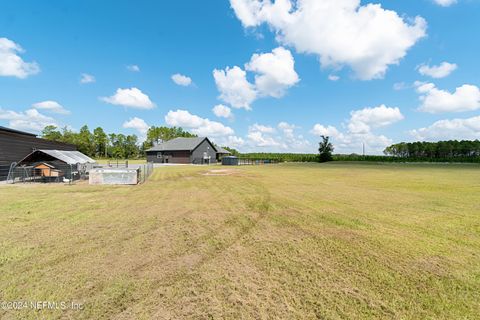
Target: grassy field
x,y
289,241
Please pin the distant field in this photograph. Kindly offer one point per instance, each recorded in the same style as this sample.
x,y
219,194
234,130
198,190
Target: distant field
x,y
288,241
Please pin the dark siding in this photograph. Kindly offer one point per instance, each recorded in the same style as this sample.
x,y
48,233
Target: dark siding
x,y
205,146
152,157
185,156
4,172
14,147
179,157
172,156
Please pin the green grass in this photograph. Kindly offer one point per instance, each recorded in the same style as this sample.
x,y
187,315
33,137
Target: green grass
x,y
288,241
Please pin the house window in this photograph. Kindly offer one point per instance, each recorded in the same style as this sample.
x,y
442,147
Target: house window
x,y
159,155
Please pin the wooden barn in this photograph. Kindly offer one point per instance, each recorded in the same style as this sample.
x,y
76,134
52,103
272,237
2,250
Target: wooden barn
x,y
16,145
197,150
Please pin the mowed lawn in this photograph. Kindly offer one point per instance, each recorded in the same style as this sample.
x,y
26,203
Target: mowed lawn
x,y
289,241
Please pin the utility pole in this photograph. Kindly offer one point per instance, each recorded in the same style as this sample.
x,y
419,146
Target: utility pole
x,y
363,148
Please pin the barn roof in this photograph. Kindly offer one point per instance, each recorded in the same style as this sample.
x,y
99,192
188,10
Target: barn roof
x,y
222,150
17,131
69,157
179,144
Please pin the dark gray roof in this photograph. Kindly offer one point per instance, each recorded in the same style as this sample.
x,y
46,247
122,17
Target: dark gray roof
x,y
222,151
17,131
178,144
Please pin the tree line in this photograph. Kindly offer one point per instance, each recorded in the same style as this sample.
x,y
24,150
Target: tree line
x,y
325,150
99,144
281,157
312,157
442,151
452,149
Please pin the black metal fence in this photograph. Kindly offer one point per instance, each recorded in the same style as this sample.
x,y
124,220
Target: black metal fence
x,y
244,162
116,163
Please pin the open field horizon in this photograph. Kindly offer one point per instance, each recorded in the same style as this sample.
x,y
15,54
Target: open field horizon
x,y
289,241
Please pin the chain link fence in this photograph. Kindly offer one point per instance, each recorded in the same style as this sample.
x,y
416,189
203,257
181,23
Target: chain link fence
x,y
65,173
45,173
145,170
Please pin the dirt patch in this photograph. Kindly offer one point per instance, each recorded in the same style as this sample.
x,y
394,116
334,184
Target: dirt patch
x,y
220,172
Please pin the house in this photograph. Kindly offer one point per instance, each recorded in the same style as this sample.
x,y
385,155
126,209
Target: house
x,y
198,150
15,145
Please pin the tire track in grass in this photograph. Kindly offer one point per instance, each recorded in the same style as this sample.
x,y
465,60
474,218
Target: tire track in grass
x,y
259,205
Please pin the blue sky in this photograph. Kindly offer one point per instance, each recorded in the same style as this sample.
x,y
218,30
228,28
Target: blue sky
x,y
281,73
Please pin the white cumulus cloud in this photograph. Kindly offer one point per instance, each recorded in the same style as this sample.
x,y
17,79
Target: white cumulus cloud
x,y
351,142
51,106
362,121
30,119
273,72
229,141
196,124
333,77
267,138
398,86
138,124
11,64
354,143
366,37
235,141
181,79
133,68
434,100
321,130
133,98
222,111
360,130
441,71
234,87
449,129
259,136
262,128
87,78
445,3
291,140
259,139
